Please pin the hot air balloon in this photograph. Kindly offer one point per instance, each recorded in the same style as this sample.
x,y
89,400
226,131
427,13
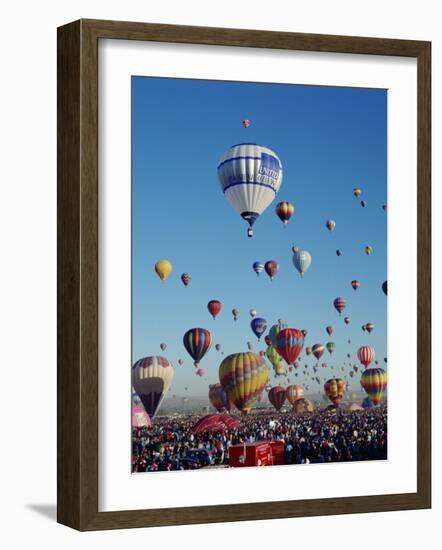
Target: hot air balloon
x,y
252,312
235,313
335,389
318,351
243,377
284,210
186,278
246,123
250,176
384,207
308,350
200,372
331,346
384,287
163,346
151,379
218,397
302,405
330,225
304,332
340,304
217,347
180,361
197,342
214,307
268,340
290,342
338,252
366,355
258,326
294,393
374,382
140,419
215,423
163,269
258,267
357,192
249,346
277,397
302,260
347,320
355,284
369,327
367,403
271,268
329,330
295,249
276,360
363,328
368,250
363,204
273,332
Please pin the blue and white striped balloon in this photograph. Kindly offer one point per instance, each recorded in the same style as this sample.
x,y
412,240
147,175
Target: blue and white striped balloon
x,y
258,267
302,261
250,176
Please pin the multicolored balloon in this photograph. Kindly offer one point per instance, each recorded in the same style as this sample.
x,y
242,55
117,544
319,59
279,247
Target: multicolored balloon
x,y
355,284
285,210
151,378
163,269
271,268
330,225
308,351
318,351
214,307
250,187
369,327
246,123
235,313
252,312
374,382
357,192
197,342
258,326
293,393
163,346
366,355
243,377
340,304
186,278
277,397
335,389
218,398
329,330
347,320
258,267
302,260
290,342
368,250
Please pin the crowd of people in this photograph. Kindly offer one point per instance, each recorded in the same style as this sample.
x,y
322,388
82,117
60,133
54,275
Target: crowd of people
x,y
318,437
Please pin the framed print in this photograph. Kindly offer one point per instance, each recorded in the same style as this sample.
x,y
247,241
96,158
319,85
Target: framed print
x,y
243,275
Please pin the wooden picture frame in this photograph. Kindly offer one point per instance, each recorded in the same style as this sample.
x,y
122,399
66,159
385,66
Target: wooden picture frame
x,y
78,274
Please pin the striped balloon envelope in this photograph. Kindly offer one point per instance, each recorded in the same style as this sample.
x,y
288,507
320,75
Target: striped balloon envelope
x,y
151,379
374,382
250,176
277,396
290,342
302,406
284,210
366,355
197,342
318,351
340,304
243,377
294,393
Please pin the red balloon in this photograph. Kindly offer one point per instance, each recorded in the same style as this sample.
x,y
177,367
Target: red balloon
x,y
215,423
277,397
214,307
271,268
289,343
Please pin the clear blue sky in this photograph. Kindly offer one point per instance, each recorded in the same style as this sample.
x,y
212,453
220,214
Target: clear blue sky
x,y
329,140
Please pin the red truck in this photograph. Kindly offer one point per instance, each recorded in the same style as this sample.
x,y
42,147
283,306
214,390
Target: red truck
x,y
260,453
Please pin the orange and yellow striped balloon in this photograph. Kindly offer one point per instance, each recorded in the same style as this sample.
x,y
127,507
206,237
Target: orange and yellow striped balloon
x,y
335,389
294,393
243,377
284,210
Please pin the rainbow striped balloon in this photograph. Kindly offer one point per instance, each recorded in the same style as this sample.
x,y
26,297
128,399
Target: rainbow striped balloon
x,y
197,342
243,377
374,382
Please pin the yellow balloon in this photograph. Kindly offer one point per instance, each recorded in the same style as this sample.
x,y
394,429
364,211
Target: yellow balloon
x,y
163,269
